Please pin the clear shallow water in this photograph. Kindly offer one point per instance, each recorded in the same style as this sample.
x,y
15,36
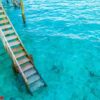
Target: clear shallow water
x,y
64,39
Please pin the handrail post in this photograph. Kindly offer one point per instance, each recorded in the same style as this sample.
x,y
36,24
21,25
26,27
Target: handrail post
x,y
22,9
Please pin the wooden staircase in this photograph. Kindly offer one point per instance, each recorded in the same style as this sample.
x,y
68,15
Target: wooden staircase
x,y
19,55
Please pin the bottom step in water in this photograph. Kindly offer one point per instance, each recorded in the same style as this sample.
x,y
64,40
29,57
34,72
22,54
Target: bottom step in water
x,y
35,86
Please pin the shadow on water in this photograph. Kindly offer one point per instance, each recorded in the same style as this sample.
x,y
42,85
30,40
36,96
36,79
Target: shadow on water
x,y
93,83
55,69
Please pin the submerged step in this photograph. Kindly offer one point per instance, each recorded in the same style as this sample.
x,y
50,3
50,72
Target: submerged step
x,y
14,43
36,85
27,67
24,60
20,54
30,72
33,78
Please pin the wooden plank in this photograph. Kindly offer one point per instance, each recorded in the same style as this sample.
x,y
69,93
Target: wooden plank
x,y
36,85
24,60
26,67
8,32
14,43
1,11
17,49
20,54
12,37
2,16
6,26
33,78
4,21
29,72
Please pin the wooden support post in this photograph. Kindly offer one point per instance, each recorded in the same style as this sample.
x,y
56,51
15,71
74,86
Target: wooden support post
x,y
15,68
22,9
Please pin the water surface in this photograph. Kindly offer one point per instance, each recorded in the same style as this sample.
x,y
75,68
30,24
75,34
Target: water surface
x,y
63,36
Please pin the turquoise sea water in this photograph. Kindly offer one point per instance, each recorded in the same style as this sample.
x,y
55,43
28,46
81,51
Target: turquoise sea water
x,y
63,37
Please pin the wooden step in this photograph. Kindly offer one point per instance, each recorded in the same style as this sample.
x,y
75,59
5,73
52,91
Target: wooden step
x,y
19,48
36,85
14,43
5,26
2,16
30,72
33,78
18,55
1,11
27,67
8,32
23,61
11,37
4,21
0,6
